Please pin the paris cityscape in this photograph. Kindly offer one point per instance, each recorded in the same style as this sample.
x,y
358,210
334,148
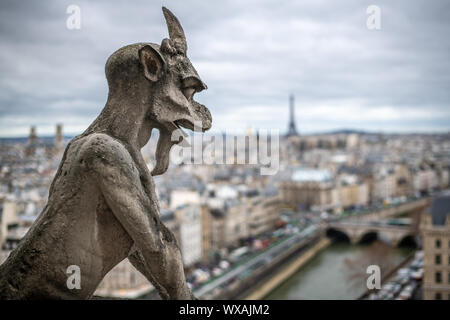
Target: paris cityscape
x,y
321,175
340,202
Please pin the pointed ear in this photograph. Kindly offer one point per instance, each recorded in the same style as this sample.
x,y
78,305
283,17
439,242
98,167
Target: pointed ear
x,y
153,63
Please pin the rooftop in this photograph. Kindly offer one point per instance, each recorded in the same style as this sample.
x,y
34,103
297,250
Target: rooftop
x,y
440,208
308,175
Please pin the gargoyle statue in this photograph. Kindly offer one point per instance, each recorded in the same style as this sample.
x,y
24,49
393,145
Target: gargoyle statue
x,y
102,205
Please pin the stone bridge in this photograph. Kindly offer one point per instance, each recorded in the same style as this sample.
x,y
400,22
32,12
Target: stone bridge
x,y
410,208
360,232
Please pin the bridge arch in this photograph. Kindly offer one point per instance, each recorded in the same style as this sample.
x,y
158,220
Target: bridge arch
x,y
408,240
368,236
338,235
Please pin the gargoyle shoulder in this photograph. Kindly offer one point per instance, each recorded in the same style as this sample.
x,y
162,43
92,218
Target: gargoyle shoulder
x,y
101,152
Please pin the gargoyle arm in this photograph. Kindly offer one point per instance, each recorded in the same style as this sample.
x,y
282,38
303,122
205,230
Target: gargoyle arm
x,y
114,171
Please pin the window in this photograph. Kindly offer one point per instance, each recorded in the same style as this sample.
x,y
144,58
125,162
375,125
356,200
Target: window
x,y
438,277
438,243
438,296
437,259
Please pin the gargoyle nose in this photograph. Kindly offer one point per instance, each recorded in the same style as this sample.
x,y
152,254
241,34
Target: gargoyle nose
x,y
203,86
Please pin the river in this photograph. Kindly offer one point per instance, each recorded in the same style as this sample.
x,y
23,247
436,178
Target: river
x,y
339,271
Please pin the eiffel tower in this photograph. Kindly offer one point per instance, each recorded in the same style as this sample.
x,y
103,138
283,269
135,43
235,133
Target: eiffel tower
x,y
292,131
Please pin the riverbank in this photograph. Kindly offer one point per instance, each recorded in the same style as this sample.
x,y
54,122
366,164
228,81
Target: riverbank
x,y
287,271
338,272
386,278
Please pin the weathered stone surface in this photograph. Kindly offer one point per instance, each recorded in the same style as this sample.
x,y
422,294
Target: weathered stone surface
x,y
102,206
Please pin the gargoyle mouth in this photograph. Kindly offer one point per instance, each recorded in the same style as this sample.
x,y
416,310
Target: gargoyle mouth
x,y
184,123
187,124
167,138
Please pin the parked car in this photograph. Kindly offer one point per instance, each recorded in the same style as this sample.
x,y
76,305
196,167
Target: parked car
x,y
397,288
402,279
405,295
216,272
417,275
419,255
382,294
224,264
388,287
407,291
372,296
403,271
415,265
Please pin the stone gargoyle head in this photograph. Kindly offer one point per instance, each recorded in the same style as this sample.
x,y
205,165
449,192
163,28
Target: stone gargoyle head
x,y
153,86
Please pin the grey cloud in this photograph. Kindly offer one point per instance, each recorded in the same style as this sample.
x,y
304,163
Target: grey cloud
x,y
252,54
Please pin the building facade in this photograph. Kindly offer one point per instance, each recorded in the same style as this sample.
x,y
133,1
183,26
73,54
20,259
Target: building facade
x,y
263,213
435,228
189,218
206,225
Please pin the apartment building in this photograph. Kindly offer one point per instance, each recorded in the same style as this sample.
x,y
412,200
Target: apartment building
x,y
435,228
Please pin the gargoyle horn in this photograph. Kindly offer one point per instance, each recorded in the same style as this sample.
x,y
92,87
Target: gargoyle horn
x,y
176,32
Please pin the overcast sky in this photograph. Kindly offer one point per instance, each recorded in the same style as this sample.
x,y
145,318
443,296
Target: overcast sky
x,y
251,54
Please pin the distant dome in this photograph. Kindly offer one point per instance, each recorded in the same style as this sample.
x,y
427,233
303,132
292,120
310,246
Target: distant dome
x,y
311,175
339,158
